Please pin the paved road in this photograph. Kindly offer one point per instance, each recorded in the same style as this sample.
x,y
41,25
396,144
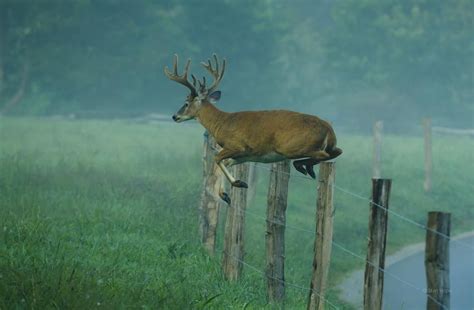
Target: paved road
x,y
412,269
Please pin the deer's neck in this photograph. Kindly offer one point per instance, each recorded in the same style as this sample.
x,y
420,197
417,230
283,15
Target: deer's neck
x,y
211,118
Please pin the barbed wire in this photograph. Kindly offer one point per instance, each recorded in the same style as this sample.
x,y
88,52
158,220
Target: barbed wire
x,y
341,247
404,218
337,245
381,207
280,280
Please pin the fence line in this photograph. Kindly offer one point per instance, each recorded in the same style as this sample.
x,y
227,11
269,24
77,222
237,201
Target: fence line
x,y
369,261
337,245
283,281
387,210
455,131
341,247
405,218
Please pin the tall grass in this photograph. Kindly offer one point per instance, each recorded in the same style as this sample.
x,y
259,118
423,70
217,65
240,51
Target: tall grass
x,y
104,214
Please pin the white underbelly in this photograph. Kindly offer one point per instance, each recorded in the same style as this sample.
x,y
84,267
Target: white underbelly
x,y
267,158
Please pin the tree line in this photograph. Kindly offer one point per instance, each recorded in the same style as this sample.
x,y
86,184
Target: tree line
x,y
354,60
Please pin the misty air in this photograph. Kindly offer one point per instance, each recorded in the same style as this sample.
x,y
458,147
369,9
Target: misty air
x,y
236,154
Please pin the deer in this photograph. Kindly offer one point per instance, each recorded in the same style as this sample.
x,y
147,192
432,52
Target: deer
x,y
253,136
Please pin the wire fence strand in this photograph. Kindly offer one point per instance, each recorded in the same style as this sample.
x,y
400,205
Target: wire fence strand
x,y
337,245
341,247
381,207
255,269
404,217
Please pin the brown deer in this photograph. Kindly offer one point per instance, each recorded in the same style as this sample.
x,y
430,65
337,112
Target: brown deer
x,y
253,136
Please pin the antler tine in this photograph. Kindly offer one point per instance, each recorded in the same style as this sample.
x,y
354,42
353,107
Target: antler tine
x,y
183,79
167,71
217,62
186,68
223,68
202,86
214,72
175,64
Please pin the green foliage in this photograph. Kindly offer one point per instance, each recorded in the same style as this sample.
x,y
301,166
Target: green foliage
x,y
416,49
106,55
104,214
382,41
389,59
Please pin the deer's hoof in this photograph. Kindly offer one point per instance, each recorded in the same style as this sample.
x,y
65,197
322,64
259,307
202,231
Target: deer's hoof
x,y
300,168
310,171
225,197
238,183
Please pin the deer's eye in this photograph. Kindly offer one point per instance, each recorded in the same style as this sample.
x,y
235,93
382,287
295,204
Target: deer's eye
x,y
186,105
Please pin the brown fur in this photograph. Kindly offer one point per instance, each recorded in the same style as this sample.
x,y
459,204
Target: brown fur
x,y
256,136
253,134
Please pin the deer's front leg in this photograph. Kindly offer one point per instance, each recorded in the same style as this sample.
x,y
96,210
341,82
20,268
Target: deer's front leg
x,y
224,154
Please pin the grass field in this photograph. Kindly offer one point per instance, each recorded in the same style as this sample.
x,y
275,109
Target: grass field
x,y
103,214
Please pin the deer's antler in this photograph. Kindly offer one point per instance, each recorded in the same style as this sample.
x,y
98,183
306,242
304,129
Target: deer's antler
x,y
214,72
201,88
181,79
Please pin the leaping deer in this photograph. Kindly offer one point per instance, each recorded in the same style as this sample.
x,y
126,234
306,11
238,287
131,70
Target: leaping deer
x,y
253,136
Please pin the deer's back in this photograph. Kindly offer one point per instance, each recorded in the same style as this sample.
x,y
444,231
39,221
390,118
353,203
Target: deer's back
x,y
281,131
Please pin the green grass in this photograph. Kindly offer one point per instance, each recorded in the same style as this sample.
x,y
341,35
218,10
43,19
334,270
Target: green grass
x,y
104,214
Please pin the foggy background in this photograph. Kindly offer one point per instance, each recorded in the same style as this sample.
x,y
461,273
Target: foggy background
x,y
98,212
350,62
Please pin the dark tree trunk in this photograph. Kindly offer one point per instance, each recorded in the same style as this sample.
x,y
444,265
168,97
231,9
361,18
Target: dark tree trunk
x,y
7,104
2,48
20,92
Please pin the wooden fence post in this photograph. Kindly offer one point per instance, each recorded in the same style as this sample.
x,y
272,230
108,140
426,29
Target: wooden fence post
x,y
275,238
324,231
377,155
428,154
253,179
378,220
210,203
234,227
437,260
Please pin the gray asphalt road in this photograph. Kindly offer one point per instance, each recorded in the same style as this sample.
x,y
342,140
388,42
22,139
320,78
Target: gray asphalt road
x,y
411,269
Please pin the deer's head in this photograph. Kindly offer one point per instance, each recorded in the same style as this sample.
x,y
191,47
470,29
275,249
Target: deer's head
x,y
199,92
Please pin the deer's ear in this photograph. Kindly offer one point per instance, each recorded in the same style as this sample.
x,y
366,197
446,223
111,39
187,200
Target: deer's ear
x,y
215,96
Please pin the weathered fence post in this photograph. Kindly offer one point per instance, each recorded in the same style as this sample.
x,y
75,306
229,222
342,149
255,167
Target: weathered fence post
x,y
253,179
275,237
234,227
210,203
437,260
377,155
324,231
375,263
428,157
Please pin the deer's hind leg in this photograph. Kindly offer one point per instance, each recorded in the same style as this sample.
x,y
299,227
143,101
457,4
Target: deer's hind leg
x,y
299,166
315,158
305,166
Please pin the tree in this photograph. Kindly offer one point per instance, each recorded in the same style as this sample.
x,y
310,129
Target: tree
x,y
414,50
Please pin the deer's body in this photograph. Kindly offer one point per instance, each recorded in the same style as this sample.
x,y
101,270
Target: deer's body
x,y
267,136
257,136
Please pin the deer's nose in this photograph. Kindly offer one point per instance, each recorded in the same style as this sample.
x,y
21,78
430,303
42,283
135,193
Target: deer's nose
x,y
174,118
